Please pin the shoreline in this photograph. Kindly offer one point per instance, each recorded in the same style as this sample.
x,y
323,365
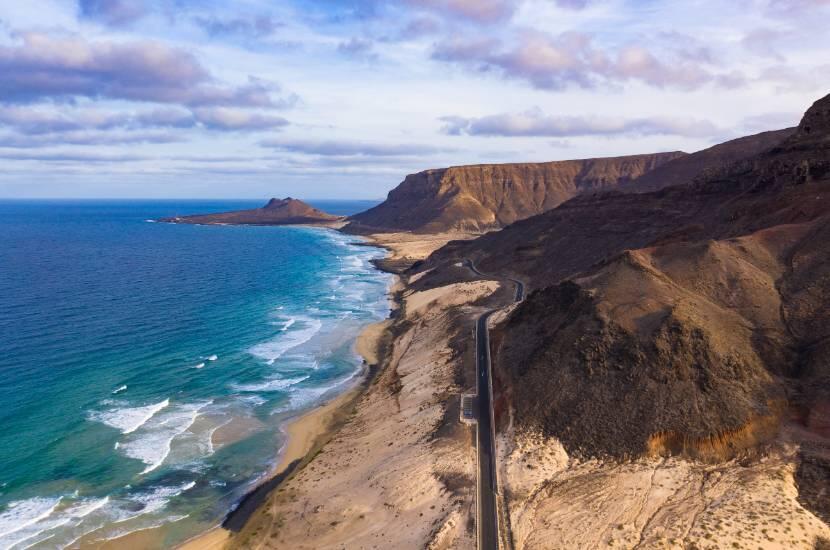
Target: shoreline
x,y
307,433
305,436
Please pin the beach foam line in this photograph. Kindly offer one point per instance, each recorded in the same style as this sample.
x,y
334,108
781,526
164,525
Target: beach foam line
x,y
152,446
40,528
272,350
304,397
150,501
128,419
74,514
275,384
22,514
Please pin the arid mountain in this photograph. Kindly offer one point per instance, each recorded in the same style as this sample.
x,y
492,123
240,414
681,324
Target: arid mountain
x,y
490,196
690,320
686,168
286,211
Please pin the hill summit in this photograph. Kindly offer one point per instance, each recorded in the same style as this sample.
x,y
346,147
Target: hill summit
x,y
285,211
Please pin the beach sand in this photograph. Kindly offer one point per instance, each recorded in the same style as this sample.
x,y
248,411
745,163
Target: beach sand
x,y
400,471
306,434
386,463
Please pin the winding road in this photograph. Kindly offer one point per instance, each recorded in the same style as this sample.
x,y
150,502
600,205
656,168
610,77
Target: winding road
x,y
487,487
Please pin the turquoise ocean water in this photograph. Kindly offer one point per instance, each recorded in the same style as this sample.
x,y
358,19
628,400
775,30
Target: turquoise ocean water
x,y
146,368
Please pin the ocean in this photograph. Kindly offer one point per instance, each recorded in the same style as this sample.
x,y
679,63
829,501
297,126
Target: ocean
x,y
146,368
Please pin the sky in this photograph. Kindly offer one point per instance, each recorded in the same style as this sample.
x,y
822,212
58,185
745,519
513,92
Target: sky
x,y
341,99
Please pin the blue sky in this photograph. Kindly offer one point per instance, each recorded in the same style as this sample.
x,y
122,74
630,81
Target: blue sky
x,y
341,99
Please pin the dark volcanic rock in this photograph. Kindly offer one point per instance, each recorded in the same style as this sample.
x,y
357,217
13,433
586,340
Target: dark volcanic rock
x,y
684,169
685,320
286,211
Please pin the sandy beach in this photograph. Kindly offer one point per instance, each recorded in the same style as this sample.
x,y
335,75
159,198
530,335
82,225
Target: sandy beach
x,y
305,435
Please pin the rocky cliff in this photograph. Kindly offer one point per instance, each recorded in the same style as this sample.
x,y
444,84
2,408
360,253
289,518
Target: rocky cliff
x,y
690,320
490,196
286,211
684,169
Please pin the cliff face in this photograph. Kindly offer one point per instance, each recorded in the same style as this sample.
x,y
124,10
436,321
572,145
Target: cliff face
x,y
490,196
688,320
277,212
686,168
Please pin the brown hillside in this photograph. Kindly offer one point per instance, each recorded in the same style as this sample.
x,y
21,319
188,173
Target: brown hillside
x,y
490,196
685,320
686,168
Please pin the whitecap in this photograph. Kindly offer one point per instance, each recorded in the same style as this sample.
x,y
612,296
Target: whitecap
x,y
272,350
152,445
119,389
19,517
150,501
128,419
303,397
213,357
34,532
199,366
275,384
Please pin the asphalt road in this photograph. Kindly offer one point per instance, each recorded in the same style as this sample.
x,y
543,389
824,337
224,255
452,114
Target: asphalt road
x,y
488,519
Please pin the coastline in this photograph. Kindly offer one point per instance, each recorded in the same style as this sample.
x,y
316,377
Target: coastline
x,y
305,434
308,433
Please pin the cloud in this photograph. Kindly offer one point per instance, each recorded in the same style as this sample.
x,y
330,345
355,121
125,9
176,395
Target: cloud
x,y
358,48
52,67
796,8
221,118
333,148
573,4
112,12
47,124
771,121
534,123
420,26
71,157
480,11
761,42
787,78
571,59
86,138
257,27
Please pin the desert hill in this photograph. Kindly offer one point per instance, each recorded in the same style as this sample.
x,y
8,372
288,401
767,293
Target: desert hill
x,y
490,196
690,320
686,168
277,212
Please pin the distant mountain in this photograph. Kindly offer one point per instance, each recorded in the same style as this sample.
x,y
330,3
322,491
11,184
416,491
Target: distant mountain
x,y
692,320
686,168
490,196
286,211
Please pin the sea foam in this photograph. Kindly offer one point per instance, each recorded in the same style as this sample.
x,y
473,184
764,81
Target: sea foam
x,y
272,350
275,384
128,419
20,515
152,445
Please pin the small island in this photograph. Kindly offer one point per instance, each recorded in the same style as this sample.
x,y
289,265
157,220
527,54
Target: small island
x,y
285,211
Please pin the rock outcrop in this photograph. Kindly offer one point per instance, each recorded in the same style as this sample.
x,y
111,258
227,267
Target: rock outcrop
x,y
286,211
684,169
490,196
